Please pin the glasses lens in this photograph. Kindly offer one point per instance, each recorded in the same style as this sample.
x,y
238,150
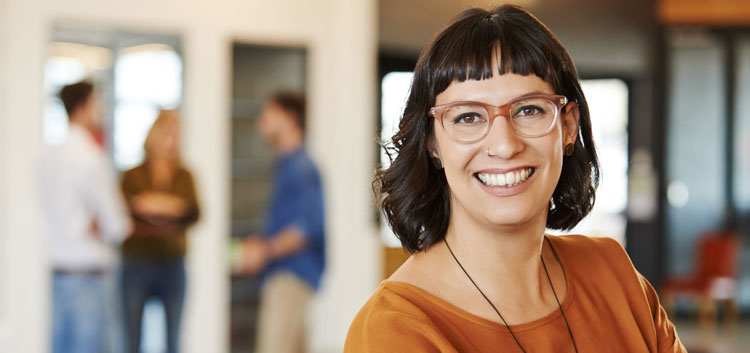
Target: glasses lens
x,y
533,116
466,122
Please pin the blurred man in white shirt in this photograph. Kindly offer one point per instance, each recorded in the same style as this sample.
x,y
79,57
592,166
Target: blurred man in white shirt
x,y
86,220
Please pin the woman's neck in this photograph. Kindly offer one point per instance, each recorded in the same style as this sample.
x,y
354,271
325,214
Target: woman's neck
x,y
161,171
503,260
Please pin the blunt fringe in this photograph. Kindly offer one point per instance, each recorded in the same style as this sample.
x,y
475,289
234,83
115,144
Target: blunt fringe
x,y
412,193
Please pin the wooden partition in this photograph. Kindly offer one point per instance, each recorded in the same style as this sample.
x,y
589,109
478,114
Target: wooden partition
x,y
704,12
392,260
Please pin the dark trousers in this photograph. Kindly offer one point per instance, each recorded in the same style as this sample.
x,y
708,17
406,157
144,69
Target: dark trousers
x,y
142,280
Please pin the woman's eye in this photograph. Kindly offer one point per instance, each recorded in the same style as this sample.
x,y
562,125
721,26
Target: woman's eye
x,y
529,110
468,118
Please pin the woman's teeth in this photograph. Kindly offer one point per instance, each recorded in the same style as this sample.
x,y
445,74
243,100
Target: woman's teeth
x,y
507,179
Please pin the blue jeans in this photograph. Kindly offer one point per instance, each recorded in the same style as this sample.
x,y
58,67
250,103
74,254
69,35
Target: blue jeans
x,y
142,280
78,313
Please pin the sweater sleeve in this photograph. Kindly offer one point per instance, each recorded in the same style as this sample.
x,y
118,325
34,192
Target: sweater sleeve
x,y
667,340
666,334
385,332
391,322
186,190
656,327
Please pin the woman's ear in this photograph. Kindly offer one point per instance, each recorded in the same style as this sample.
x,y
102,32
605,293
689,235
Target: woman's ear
x,y
432,147
571,116
434,153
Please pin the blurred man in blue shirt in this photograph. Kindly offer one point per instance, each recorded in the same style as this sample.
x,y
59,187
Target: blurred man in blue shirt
x,y
290,255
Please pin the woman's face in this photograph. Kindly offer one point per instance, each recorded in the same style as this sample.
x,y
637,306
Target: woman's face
x,y
533,163
166,145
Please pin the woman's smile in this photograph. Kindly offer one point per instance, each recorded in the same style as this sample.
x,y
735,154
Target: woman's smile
x,y
506,179
505,182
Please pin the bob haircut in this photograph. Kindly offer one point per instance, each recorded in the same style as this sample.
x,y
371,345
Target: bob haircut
x,y
414,195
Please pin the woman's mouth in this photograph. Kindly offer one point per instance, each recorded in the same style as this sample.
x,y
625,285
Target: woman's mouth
x,y
508,179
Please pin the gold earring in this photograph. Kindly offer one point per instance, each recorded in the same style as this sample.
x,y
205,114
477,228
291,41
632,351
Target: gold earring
x,y
569,149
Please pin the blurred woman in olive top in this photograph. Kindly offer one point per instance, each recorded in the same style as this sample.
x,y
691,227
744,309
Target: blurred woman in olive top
x,y
162,201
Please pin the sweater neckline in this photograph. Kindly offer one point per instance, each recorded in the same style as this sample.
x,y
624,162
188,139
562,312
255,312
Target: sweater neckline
x,y
409,291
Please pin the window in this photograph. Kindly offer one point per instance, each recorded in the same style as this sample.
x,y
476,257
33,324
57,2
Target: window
x,y
608,106
395,91
68,63
147,78
135,76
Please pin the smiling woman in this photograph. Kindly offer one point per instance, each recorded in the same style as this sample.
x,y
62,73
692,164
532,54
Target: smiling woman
x,y
494,146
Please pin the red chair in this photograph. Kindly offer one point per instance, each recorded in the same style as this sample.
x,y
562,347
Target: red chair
x,y
714,280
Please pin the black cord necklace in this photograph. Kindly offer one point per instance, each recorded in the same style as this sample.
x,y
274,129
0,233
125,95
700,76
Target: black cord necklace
x,y
570,332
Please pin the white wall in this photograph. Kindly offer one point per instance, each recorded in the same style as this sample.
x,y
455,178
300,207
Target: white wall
x,y
26,282
340,36
3,266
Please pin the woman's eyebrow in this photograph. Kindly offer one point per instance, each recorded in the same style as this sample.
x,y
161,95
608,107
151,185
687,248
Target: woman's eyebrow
x,y
526,94
532,93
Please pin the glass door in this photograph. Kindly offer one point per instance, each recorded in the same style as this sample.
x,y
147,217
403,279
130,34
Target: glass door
x,y
695,154
707,145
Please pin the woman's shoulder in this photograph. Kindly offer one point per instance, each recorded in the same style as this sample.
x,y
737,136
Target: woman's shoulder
x,y
183,171
574,245
135,176
139,169
392,316
577,241
391,300
590,253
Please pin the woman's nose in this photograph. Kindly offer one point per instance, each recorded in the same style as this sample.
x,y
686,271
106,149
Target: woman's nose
x,y
502,141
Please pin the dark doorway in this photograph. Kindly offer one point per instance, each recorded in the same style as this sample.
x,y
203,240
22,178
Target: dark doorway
x,y
258,72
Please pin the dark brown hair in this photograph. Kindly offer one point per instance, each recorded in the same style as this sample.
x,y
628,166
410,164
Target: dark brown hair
x,y
74,95
414,195
292,102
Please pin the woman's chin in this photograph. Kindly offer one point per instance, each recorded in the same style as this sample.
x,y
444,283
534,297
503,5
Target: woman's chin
x,y
518,217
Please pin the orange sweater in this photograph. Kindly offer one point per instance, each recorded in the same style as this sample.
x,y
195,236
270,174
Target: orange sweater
x,y
610,308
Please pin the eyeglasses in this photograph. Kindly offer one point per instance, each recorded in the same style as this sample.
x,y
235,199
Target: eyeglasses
x,y
530,116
